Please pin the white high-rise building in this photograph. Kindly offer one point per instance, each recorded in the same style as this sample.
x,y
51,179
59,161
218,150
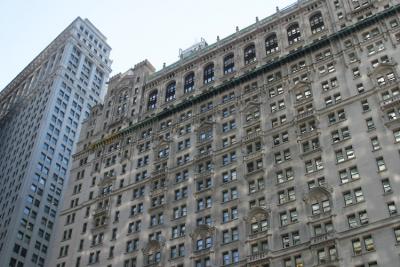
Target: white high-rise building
x,y
41,111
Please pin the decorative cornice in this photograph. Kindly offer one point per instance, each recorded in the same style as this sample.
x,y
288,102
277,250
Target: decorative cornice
x,y
248,76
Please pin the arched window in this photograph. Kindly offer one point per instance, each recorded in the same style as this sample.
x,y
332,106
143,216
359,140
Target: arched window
x,y
208,73
317,23
293,33
170,92
188,83
271,44
152,103
229,64
249,54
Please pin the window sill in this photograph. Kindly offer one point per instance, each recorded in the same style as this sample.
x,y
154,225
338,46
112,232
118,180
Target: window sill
x,y
178,237
349,182
346,160
287,202
229,201
388,193
283,227
377,149
232,220
353,204
336,122
283,183
341,140
230,242
363,253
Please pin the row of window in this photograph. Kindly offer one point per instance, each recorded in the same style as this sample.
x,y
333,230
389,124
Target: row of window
x,y
271,46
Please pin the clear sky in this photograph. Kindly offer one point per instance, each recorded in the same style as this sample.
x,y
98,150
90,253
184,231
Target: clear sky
x,y
135,29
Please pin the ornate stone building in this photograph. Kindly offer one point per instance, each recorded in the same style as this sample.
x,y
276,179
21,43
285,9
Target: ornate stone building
x,y
277,146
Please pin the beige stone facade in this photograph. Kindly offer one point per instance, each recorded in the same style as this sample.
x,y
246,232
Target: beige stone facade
x,y
277,146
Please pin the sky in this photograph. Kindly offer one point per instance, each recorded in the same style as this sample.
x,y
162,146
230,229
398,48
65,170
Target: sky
x,y
135,29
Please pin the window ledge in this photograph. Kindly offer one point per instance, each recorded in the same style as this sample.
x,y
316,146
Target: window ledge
x,y
229,201
349,182
287,202
283,227
381,171
284,182
388,193
346,160
363,253
354,204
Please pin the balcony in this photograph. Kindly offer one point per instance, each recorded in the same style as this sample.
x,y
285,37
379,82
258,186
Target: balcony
x,y
159,172
329,262
204,155
203,174
101,210
308,134
312,150
158,191
322,238
260,257
305,115
388,103
253,136
392,123
253,155
258,235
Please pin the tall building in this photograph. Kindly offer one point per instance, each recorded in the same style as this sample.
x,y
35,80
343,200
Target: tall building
x,y
41,112
277,146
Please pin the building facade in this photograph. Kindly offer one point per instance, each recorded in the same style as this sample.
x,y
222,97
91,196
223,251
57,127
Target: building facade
x,y
277,146
41,111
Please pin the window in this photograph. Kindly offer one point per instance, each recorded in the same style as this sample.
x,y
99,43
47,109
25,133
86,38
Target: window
x,y
317,23
349,174
230,257
387,188
356,73
337,116
250,54
397,234
188,83
287,195
314,165
375,143
208,73
344,154
370,124
177,251
204,243
170,92
396,135
293,33
381,164
284,175
365,105
357,219
288,217
178,231
229,64
352,197
392,208
323,206
290,239
271,44
230,214
230,235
